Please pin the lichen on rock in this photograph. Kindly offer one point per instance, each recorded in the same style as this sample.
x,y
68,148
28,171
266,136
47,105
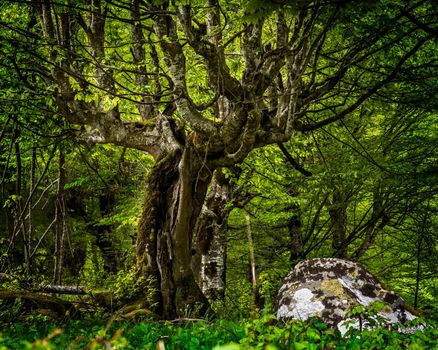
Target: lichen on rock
x,y
329,288
305,306
332,285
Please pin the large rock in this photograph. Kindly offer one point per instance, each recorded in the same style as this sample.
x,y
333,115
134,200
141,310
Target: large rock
x,y
329,288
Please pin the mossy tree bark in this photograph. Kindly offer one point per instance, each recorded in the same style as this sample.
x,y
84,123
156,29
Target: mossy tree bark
x,y
175,192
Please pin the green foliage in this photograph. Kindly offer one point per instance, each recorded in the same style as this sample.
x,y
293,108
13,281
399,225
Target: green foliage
x,y
129,286
369,316
10,310
238,298
117,335
263,333
259,9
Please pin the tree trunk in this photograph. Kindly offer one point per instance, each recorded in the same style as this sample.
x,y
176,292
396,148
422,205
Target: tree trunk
x,y
19,225
373,226
30,214
104,241
104,234
296,236
418,270
61,220
338,215
175,192
251,258
257,299
209,253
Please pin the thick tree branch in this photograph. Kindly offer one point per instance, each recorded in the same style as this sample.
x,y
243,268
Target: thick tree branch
x,y
153,135
212,52
166,30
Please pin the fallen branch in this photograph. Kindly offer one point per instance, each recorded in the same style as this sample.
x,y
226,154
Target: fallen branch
x,y
46,288
39,300
53,288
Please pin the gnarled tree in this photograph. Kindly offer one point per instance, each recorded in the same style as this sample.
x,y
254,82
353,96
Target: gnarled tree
x,y
198,85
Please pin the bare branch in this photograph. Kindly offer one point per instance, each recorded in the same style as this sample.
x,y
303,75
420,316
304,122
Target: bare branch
x,y
370,92
419,24
293,162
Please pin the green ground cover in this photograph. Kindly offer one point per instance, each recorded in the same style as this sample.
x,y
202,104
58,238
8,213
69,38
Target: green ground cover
x,y
263,333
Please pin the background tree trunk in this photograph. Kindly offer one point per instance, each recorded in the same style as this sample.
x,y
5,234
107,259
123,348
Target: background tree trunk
x,y
61,220
19,226
30,228
379,219
103,234
338,215
252,264
296,235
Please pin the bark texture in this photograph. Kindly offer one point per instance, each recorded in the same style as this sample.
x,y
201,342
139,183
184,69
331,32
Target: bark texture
x,y
176,188
209,253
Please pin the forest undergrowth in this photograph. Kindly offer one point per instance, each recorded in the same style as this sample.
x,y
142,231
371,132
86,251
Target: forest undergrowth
x,y
262,332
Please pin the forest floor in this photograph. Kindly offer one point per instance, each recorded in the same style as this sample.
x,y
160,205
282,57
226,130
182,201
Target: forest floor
x,y
40,332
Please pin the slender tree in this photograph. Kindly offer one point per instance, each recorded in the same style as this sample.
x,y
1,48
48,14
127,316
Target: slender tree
x,y
61,219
